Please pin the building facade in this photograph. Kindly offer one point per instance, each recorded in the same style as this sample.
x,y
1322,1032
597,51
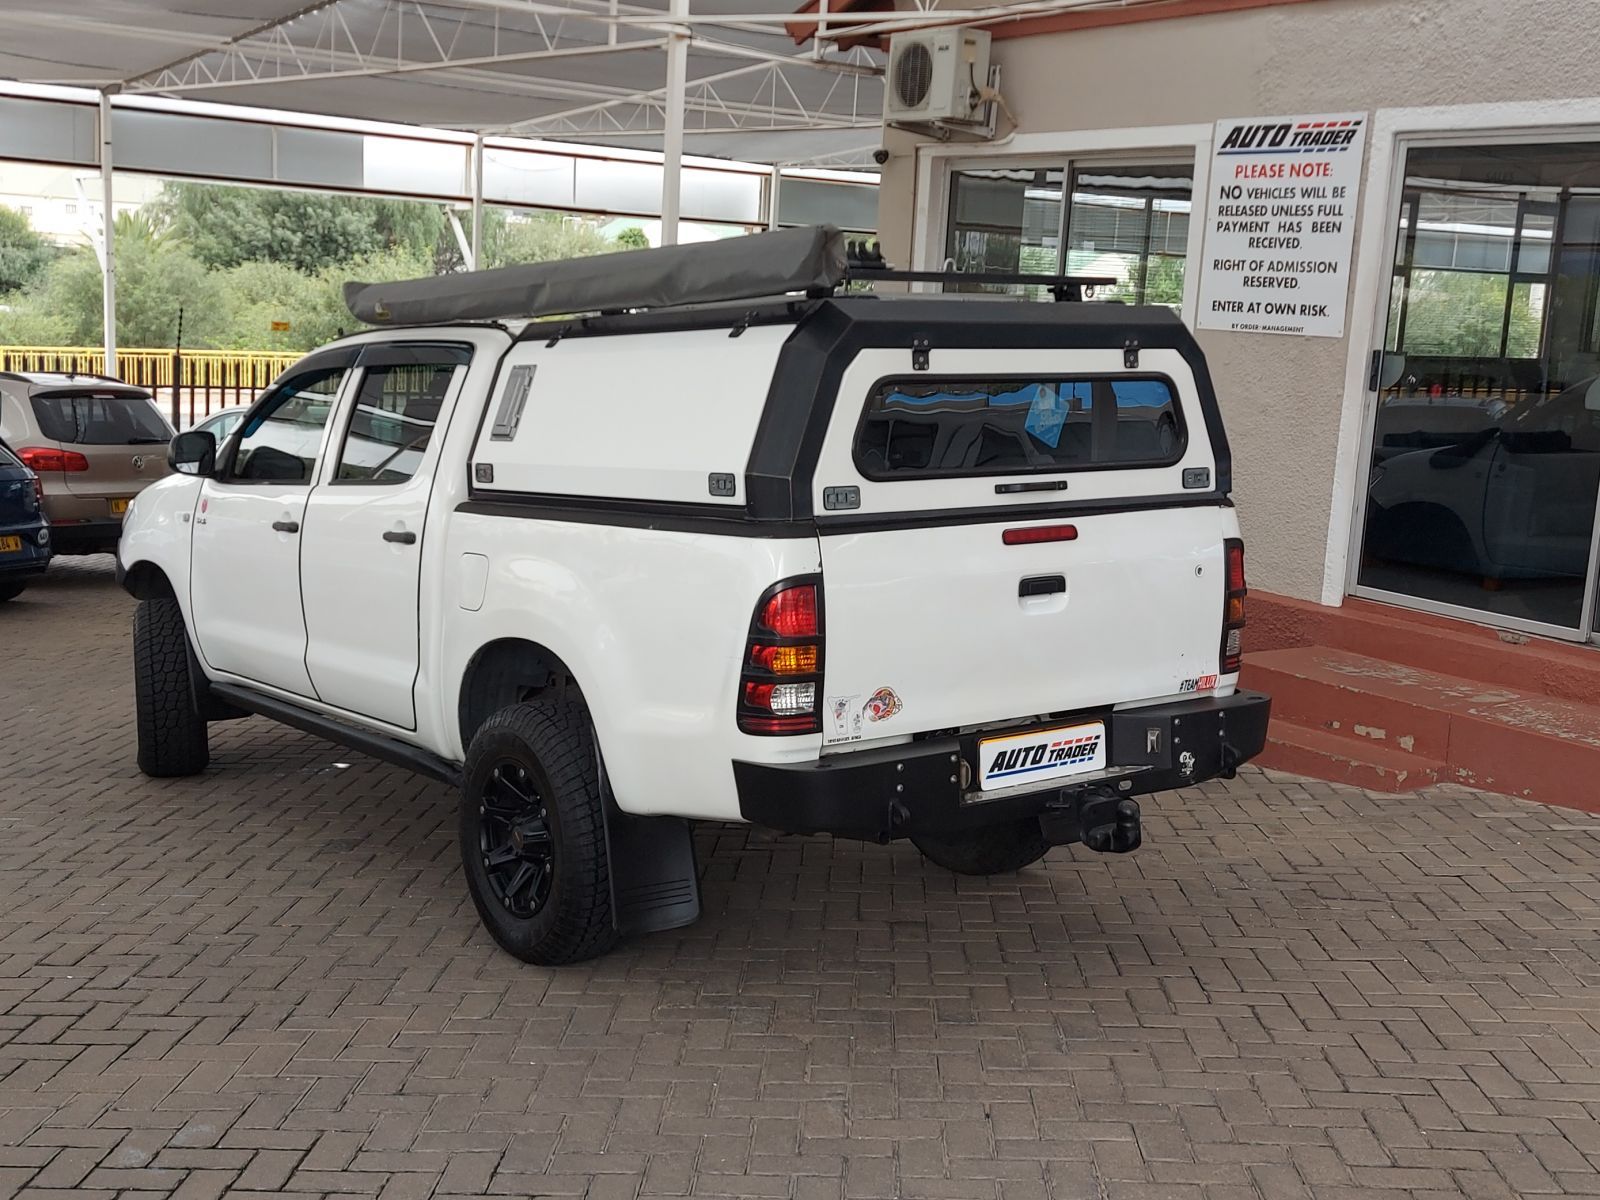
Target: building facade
x,y
1442,451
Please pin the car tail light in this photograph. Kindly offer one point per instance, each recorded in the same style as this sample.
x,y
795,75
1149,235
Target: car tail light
x,y
782,676
49,458
1233,608
38,492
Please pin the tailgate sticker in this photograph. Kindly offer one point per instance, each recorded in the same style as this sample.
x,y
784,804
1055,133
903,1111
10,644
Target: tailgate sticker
x,y
882,705
845,718
1206,683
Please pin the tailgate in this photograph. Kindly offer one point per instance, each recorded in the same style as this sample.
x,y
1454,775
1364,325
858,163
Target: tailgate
x,y
961,629
1028,532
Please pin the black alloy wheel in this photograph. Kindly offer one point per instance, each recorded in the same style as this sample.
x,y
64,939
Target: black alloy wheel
x,y
514,838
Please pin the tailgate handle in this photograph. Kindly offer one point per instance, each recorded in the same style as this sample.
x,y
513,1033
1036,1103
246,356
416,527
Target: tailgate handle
x,y
1042,585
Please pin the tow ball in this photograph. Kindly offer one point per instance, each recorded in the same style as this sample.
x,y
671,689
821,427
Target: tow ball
x,y
1103,821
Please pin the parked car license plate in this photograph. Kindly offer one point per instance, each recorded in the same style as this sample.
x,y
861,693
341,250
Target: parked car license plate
x,y
119,506
10,545
1041,755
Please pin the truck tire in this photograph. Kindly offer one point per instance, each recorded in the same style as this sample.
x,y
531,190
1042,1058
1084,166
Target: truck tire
x,y
998,850
533,835
172,735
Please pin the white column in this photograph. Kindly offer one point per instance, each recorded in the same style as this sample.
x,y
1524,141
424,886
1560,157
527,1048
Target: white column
x,y
477,204
672,134
774,193
108,272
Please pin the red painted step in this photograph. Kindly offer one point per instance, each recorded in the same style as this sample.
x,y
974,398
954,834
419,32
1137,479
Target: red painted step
x,y
1323,755
1382,714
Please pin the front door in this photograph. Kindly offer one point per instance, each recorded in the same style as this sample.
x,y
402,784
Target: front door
x,y
244,589
361,548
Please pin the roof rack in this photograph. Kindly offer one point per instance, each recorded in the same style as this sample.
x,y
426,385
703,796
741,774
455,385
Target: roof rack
x,y
811,261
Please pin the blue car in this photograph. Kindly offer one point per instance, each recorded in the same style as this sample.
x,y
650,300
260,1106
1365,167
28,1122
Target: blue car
x,y
24,532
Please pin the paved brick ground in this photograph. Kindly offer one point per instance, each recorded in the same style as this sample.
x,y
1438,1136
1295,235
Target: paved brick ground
x,y
268,980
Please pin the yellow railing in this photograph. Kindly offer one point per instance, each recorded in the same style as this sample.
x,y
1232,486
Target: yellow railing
x,y
230,369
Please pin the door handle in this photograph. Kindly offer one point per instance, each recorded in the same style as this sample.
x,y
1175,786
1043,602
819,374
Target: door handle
x,y
404,537
286,526
1042,585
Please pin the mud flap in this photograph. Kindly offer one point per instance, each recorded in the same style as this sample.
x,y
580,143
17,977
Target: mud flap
x,y
655,881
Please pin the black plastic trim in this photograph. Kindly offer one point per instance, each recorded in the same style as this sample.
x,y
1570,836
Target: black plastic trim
x,y
727,520
389,749
994,513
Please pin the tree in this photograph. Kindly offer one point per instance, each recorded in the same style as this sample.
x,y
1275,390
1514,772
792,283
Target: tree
x,y
226,226
24,252
632,238
547,237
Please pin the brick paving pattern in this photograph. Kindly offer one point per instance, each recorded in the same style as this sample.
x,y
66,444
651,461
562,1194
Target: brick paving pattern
x,y
268,980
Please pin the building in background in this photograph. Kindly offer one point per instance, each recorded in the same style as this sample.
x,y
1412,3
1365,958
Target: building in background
x,y
1383,220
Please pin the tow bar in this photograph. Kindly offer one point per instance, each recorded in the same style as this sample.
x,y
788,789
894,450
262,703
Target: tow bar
x,y
1103,821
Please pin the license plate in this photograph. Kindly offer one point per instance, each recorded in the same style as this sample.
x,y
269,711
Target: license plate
x,y
1041,755
118,507
10,545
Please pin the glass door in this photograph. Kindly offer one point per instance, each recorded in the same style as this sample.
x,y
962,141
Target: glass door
x,y
1485,456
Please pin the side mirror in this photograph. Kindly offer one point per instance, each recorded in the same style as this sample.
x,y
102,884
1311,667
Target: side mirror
x,y
193,453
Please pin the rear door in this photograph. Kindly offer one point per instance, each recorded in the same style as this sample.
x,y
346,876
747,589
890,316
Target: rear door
x,y
1020,540
361,549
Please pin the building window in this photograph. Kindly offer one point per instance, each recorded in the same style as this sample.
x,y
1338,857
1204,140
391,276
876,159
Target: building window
x,y
71,209
1132,224
1125,222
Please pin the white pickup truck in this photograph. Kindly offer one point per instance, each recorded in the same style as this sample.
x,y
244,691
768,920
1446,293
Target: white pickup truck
x,y
954,569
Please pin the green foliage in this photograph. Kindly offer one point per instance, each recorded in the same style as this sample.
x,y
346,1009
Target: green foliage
x,y
239,260
226,226
632,238
1461,314
24,252
546,237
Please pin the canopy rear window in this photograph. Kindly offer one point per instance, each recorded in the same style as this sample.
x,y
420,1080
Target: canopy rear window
x,y
90,418
922,427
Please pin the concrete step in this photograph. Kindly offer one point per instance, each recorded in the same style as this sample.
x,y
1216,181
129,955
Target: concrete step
x,y
1301,750
1503,739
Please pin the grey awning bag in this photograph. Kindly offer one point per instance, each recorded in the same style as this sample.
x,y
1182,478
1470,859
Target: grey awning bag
x,y
741,268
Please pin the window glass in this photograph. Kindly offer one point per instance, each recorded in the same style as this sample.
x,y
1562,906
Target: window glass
x,y
393,421
281,440
99,419
1131,223
930,427
1005,220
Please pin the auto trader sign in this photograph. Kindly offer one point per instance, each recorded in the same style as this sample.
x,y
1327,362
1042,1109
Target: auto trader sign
x,y
1280,221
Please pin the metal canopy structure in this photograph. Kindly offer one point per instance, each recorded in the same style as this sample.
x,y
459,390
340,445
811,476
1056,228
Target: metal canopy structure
x,y
598,71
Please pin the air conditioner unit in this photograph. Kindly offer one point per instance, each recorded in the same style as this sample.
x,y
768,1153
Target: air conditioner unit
x,y
936,76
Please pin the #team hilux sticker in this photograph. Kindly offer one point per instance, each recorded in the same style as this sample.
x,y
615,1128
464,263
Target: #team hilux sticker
x,y
1205,683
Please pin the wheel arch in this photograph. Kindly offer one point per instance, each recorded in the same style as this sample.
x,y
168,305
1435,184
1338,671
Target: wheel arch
x,y
503,672
145,580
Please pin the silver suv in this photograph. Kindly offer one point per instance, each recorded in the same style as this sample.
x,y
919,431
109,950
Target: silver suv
x,y
94,442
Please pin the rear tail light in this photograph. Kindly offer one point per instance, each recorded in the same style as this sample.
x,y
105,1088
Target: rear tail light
x,y
1232,654
1032,535
38,492
49,458
783,661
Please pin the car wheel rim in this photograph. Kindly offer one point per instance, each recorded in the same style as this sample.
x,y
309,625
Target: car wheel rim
x,y
514,839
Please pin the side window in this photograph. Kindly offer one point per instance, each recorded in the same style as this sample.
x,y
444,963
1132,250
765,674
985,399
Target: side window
x,y
392,421
930,427
281,440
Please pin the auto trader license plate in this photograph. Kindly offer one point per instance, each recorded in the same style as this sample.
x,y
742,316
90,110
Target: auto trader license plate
x,y
10,545
1041,755
118,507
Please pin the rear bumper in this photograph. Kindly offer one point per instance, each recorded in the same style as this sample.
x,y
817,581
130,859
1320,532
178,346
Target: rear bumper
x,y
97,535
904,790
